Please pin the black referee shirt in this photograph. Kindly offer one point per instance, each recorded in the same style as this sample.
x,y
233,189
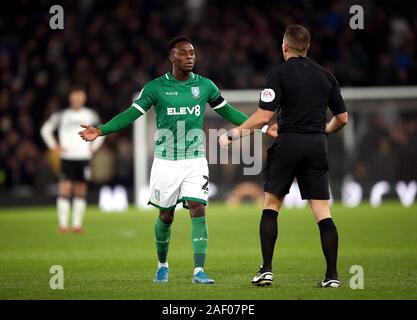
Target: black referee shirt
x,y
300,91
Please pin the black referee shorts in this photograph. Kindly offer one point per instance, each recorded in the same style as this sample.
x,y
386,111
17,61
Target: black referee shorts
x,y
75,170
301,156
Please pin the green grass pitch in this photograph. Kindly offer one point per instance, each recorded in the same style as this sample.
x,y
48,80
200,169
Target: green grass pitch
x,y
116,257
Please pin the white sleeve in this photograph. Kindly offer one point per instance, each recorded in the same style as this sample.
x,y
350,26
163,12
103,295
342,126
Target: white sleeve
x,y
95,119
96,144
47,130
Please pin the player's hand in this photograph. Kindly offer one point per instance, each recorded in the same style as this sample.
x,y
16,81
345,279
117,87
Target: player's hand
x,y
92,150
273,130
89,133
224,141
58,149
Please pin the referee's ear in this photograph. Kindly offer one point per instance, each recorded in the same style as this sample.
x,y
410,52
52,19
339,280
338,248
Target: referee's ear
x,y
284,48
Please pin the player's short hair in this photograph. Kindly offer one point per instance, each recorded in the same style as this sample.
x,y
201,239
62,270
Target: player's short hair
x,y
297,37
176,40
77,88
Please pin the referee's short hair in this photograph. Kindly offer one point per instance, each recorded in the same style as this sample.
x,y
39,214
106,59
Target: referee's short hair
x,y
297,38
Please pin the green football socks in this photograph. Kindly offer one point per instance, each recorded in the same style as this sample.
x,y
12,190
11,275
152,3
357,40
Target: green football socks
x,y
162,237
199,237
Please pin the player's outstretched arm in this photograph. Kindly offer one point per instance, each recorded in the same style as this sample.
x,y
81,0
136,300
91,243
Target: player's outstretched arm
x,y
231,114
117,123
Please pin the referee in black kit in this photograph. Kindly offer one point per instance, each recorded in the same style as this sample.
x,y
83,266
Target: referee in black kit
x,y
300,91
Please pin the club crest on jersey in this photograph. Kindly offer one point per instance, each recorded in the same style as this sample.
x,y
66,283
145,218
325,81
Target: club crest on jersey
x,y
196,92
157,195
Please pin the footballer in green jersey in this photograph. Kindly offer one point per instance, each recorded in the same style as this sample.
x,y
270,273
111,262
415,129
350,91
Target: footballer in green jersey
x,y
179,108
180,170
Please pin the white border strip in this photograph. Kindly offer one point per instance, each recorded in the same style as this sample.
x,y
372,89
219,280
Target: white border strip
x,y
349,93
220,105
138,107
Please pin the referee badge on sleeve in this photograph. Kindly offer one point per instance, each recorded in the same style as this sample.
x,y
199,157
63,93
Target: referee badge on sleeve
x,y
267,95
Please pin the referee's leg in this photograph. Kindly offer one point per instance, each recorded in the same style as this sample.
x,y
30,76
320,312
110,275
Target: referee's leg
x,y
328,235
268,228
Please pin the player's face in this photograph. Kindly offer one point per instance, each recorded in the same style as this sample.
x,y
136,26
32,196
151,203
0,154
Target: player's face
x,y
77,99
183,56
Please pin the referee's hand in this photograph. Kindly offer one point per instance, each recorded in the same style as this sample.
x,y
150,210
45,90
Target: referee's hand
x,y
272,130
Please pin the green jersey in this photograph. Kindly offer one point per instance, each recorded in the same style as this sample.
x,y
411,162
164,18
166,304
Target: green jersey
x,y
179,107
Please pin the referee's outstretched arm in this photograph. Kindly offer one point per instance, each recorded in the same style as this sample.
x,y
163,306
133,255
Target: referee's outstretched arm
x,y
256,121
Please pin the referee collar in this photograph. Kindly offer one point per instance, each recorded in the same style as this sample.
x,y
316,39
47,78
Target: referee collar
x,y
297,57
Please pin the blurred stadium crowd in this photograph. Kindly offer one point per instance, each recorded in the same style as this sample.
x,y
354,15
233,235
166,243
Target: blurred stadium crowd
x,y
113,48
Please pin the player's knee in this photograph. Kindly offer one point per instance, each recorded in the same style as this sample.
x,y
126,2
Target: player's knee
x,y
80,190
197,209
166,217
64,189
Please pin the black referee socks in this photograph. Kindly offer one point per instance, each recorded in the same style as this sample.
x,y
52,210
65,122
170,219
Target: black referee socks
x,y
329,244
326,224
268,230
